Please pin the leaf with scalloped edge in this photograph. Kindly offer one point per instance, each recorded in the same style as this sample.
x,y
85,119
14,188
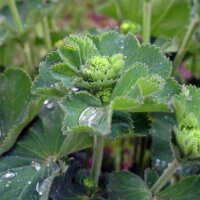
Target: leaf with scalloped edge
x,y
18,107
129,79
45,83
30,167
156,61
149,85
84,111
112,42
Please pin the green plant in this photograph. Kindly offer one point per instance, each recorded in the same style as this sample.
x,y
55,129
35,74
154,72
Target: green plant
x,y
102,101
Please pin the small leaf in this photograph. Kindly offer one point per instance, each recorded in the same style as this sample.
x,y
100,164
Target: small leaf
x,y
45,83
151,176
149,85
129,79
126,185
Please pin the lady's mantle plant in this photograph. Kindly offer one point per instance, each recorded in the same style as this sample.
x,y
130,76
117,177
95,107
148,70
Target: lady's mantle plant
x,y
187,134
100,75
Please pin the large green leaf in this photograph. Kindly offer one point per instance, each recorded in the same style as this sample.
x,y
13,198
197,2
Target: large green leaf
x,y
165,15
17,108
126,185
187,188
29,168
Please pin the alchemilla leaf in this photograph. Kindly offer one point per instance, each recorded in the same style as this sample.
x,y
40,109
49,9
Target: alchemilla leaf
x,y
18,107
102,73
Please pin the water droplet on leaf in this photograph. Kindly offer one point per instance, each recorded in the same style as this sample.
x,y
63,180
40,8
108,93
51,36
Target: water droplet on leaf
x,y
46,102
41,186
36,165
50,105
9,174
93,117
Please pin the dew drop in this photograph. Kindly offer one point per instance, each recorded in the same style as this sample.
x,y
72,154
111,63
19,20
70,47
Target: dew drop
x,y
36,165
9,174
122,47
7,185
50,105
29,182
74,89
46,102
41,186
125,57
93,117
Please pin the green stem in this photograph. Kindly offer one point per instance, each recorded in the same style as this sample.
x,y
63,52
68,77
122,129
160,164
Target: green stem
x,y
119,13
27,57
16,16
165,177
181,52
146,25
47,36
97,157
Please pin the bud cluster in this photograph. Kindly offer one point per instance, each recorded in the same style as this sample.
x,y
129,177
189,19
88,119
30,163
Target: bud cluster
x,y
102,68
188,137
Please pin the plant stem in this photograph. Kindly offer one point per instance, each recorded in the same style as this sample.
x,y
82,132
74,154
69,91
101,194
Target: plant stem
x,y
16,16
97,157
27,57
146,29
165,177
47,36
181,52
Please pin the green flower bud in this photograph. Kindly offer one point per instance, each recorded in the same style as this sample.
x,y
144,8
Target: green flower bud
x,y
110,74
188,137
89,183
117,62
129,26
103,68
104,95
100,63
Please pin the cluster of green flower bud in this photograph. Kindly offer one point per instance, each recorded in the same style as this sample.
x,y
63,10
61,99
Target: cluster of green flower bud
x,y
103,68
104,95
188,137
129,26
